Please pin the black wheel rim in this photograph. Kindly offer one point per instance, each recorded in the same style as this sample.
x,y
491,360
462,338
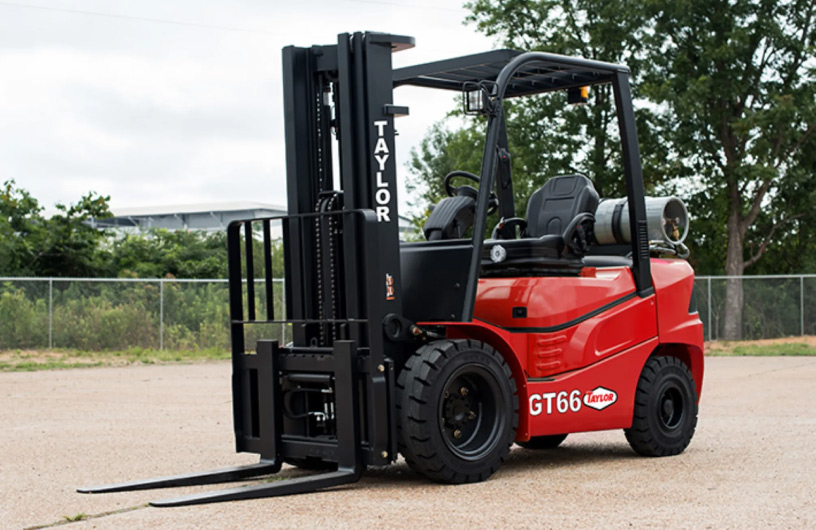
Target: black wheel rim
x,y
671,408
470,414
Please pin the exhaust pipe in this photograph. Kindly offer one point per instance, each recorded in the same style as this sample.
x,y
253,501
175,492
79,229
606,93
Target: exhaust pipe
x,y
667,221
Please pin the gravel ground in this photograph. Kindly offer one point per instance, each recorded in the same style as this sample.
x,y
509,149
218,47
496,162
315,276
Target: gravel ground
x,y
750,465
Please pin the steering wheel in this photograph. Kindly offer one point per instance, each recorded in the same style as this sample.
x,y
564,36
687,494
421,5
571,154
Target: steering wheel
x,y
468,191
579,233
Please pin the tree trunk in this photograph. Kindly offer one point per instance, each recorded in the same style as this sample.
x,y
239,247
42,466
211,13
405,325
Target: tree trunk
x,y
734,266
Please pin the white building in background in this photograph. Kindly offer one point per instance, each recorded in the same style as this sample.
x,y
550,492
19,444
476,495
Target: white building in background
x,y
207,217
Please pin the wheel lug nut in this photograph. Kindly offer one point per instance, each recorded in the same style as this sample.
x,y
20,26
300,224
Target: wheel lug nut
x,y
471,415
457,433
464,391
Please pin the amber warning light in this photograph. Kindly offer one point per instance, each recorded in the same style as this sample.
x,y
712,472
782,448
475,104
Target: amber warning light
x,y
578,95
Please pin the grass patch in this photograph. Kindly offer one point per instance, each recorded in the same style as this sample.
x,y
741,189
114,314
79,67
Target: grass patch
x,y
747,349
33,366
63,359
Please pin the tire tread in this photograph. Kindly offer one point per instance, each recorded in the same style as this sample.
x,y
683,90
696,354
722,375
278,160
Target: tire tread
x,y
642,436
415,419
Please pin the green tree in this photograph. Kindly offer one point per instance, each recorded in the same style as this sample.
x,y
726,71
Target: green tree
x,y
737,82
158,253
20,228
67,244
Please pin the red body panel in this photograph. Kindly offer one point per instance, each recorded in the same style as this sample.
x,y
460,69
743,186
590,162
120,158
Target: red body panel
x,y
550,301
578,352
681,333
553,406
555,303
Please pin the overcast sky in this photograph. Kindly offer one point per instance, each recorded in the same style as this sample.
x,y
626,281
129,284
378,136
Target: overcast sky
x,y
180,102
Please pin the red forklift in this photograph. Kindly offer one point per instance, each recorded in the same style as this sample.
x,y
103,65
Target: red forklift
x,y
579,316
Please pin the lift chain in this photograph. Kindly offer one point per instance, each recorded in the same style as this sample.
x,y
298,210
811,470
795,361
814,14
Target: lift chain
x,y
318,246
327,203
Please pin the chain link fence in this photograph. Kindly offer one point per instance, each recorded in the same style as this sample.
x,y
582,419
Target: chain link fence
x,y
773,306
117,314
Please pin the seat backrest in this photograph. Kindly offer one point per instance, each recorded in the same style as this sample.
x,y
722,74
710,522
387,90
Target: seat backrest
x,y
450,219
557,202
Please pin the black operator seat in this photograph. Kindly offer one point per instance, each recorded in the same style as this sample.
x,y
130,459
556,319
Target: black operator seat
x,y
451,218
560,221
557,203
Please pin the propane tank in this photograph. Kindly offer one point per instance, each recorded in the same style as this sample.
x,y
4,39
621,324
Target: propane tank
x,y
666,217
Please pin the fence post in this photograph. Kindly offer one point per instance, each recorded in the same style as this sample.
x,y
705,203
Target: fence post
x,y
50,313
802,303
709,309
161,314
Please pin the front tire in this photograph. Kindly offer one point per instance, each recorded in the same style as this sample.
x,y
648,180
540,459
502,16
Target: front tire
x,y
458,411
665,413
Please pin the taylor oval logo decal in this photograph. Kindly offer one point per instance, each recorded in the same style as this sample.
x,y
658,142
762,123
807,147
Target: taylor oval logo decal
x,y
600,398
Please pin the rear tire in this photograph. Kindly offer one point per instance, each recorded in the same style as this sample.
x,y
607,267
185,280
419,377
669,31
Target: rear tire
x,y
458,411
665,413
543,442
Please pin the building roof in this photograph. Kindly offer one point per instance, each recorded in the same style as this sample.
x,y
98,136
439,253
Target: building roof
x,y
214,216
209,217
178,209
